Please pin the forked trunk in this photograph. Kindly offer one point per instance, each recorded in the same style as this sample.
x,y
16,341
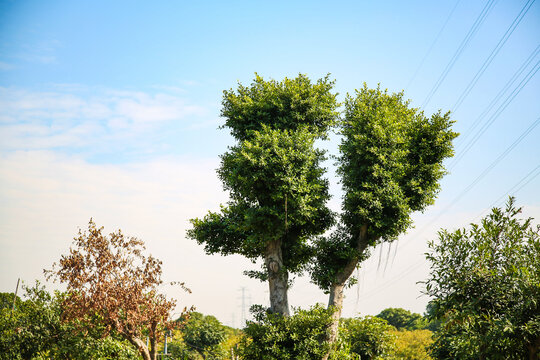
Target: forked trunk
x,y
277,278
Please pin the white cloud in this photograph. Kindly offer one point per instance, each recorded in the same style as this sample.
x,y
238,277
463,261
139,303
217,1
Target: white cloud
x,y
77,116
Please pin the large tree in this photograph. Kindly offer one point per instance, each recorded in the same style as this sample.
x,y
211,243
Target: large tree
x,y
485,285
274,178
390,163
112,288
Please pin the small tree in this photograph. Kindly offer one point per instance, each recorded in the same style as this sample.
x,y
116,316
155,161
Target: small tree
x,y
369,337
204,334
485,282
403,319
112,286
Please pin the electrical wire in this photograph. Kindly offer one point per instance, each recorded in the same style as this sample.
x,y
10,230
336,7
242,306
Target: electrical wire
x,y
493,54
514,189
482,175
497,113
496,99
472,31
432,45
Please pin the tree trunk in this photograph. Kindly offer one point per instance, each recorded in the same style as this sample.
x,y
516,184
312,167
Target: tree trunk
x,y
153,340
141,347
533,349
153,348
335,300
277,279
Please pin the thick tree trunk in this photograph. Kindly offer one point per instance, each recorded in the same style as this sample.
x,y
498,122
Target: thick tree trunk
x,y
277,278
335,300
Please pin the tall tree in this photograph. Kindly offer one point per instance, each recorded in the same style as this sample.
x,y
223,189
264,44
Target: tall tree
x,y
390,164
112,287
485,285
274,178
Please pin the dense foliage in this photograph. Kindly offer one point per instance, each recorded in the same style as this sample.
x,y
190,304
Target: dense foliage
x,y
287,105
485,282
35,330
368,337
411,344
277,192
203,334
274,178
300,336
390,163
403,319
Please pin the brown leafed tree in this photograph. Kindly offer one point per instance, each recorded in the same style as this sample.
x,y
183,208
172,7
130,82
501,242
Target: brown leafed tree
x,y
112,287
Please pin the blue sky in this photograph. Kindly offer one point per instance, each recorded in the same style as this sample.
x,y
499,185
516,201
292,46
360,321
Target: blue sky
x,y
111,110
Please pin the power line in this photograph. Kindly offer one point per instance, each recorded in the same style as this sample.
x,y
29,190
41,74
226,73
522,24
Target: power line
x,y
385,285
432,45
496,99
493,54
497,160
482,175
524,181
472,31
518,186
497,112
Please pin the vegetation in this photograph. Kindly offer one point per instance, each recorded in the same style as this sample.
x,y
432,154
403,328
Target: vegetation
x,y
368,337
300,336
390,164
112,287
485,282
274,178
35,330
411,344
403,319
201,337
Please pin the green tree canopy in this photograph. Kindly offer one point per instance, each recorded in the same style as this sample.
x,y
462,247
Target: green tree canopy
x,y
390,164
274,178
369,337
403,319
277,193
203,333
485,282
285,105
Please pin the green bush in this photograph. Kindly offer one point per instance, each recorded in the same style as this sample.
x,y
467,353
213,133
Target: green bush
x,y
273,336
